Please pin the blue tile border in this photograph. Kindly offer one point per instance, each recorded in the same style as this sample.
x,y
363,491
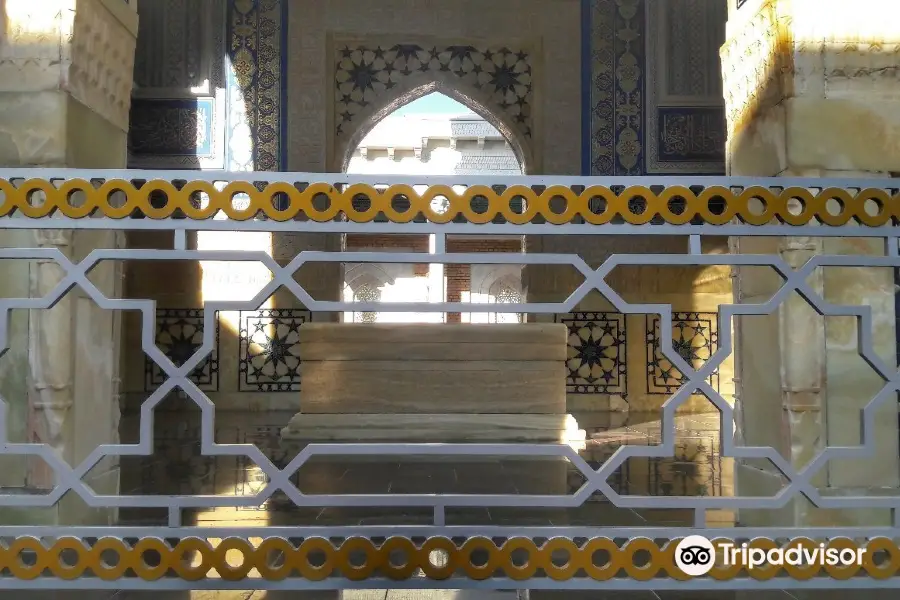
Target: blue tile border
x,y
255,32
283,133
616,87
586,72
629,81
601,88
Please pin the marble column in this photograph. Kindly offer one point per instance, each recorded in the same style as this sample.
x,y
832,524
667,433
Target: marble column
x,y
310,141
322,280
65,87
811,91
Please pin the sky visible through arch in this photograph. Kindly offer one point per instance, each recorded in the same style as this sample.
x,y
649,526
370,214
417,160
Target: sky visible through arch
x,y
434,116
434,103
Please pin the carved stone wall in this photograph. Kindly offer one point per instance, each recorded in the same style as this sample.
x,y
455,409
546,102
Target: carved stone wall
x,y
754,59
65,90
373,77
179,116
64,65
495,54
652,97
90,53
788,68
685,129
102,59
811,89
179,47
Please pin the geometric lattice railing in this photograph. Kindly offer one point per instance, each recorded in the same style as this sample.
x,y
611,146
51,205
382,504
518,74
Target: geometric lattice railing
x,y
446,541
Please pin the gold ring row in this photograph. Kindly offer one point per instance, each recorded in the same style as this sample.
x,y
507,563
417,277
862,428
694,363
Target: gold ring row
x,y
359,558
756,205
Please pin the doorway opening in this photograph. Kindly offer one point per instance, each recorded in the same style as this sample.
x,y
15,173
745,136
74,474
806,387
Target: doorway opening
x,y
432,135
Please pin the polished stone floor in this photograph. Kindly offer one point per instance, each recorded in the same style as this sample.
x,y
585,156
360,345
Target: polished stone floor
x,y
177,467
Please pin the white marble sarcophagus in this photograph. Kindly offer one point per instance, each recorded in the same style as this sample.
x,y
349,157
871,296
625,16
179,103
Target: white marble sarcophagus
x,y
437,383
430,383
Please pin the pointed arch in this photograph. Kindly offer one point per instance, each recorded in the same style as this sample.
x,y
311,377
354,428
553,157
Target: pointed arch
x,y
363,284
490,280
366,274
506,289
412,90
497,284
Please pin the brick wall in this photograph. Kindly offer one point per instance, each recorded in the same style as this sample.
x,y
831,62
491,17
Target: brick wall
x,y
458,276
414,243
459,279
481,245
365,241
419,243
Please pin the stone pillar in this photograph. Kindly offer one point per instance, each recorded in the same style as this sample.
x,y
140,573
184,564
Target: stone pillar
x,y
65,87
323,281
811,91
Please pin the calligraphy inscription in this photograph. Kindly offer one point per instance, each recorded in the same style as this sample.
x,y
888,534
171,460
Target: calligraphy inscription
x,y
172,127
691,134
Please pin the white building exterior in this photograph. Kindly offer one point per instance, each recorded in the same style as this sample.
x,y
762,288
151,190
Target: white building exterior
x,y
451,144
434,145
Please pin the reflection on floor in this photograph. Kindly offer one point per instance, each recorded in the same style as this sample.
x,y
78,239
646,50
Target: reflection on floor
x,y
177,467
436,595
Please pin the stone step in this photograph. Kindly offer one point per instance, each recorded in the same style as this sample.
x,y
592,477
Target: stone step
x,y
428,595
379,474
438,595
424,428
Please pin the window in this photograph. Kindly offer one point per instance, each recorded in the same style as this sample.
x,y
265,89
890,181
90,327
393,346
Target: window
x,y
366,293
506,295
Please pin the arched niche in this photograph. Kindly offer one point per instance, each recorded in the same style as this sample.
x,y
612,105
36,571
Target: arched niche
x,y
488,279
366,274
496,284
363,283
414,88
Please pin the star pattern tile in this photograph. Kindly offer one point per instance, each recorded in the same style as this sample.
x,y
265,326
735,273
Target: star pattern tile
x,y
179,334
269,358
695,338
596,353
365,73
177,465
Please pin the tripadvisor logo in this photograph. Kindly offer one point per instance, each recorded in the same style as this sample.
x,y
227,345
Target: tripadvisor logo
x,y
695,555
